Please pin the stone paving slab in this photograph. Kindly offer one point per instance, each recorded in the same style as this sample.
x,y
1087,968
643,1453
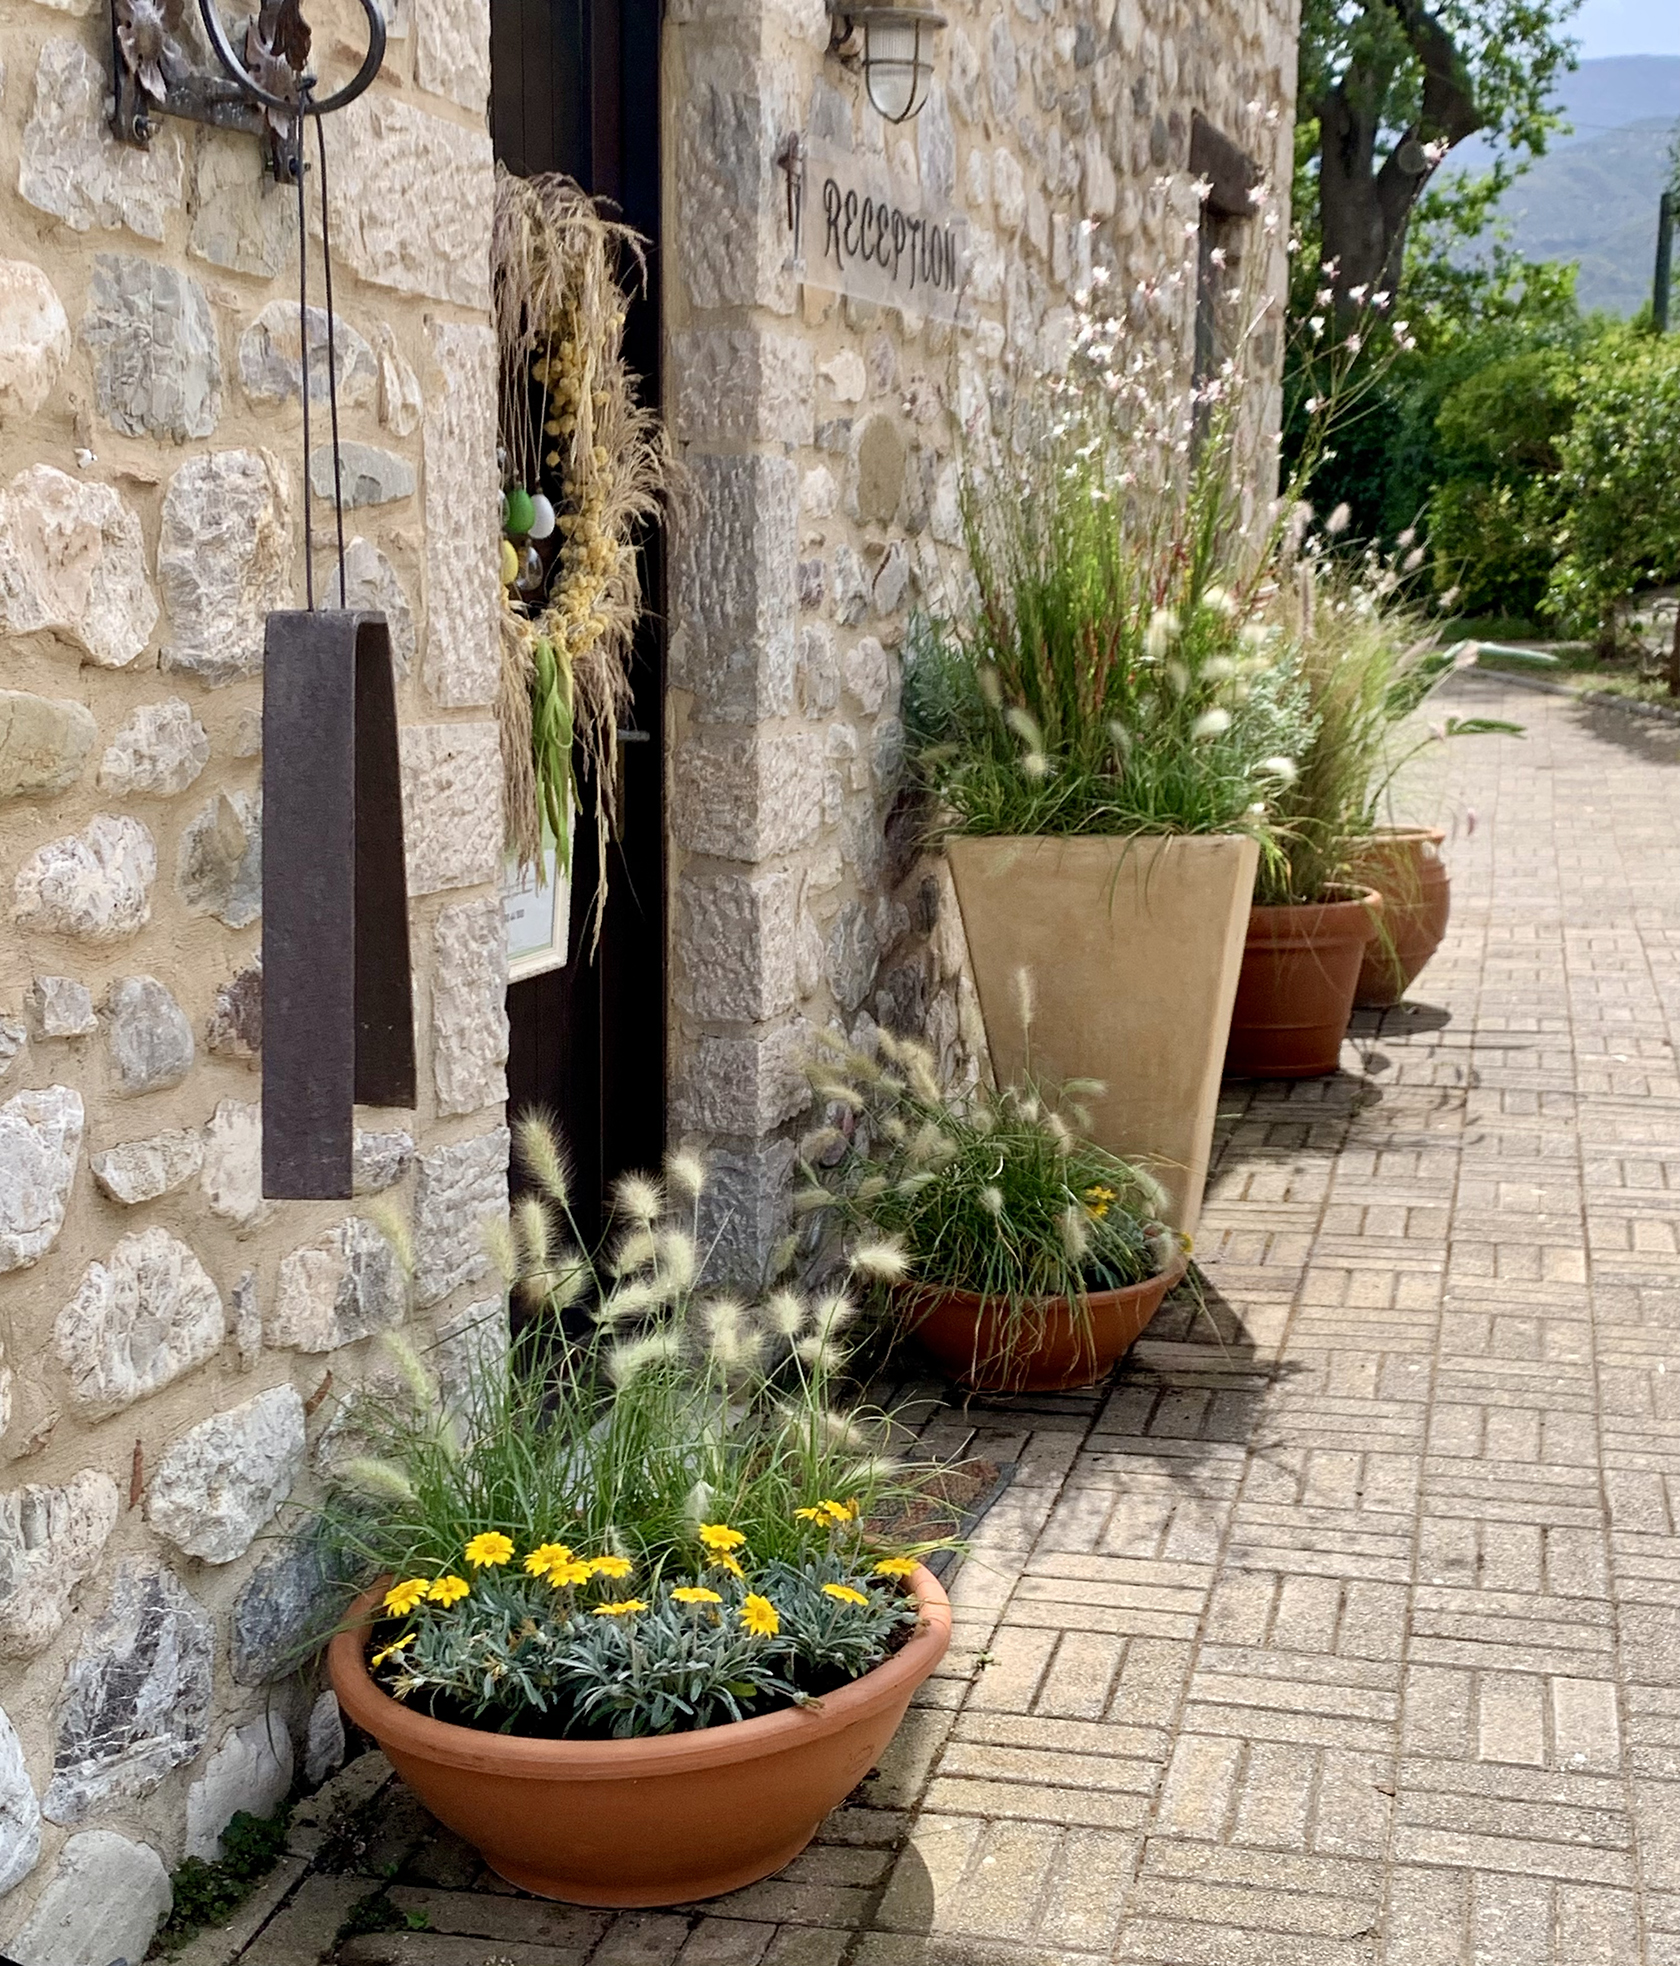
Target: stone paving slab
x,y
1344,1628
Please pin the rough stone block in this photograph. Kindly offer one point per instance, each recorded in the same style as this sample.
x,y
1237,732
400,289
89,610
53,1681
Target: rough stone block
x,y
271,358
95,886
366,474
147,1035
159,751
20,1811
13,1037
276,1611
373,586
50,1541
748,794
40,1146
157,370
72,166
141,1170
343,1286
225,555
463,597
460,1187
60,1007
73,568
744,1086
744,1210
136,1699
452,805
251,1770
734,582
323,1747
218,865
469,1006
34,338
853,955
242,218
729,121
235,1027
232,1178
137,1321
44,742
106,1899
742,386
452,51
380,1160
735,945
385,147
222,1481
401,404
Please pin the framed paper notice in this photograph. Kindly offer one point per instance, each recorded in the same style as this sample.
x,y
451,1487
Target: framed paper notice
x,y
537,910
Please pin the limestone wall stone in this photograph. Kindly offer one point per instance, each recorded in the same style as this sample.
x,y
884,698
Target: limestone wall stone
x,y
172,1347
821,437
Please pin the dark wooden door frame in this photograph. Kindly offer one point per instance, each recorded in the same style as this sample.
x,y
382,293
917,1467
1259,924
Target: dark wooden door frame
x,y
575,87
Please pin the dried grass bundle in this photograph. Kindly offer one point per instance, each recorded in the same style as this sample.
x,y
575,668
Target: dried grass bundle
x,y
559,272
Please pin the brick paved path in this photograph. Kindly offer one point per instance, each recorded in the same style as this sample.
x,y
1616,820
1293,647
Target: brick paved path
x,y
1344,1634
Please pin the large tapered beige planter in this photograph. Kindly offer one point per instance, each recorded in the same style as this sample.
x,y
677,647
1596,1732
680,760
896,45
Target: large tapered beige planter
x,y
1134,948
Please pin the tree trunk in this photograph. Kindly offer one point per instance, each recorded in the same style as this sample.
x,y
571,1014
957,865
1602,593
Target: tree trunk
x,y
1365,207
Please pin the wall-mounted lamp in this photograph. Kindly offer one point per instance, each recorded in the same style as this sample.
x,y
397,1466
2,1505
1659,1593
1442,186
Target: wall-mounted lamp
x,y
894,48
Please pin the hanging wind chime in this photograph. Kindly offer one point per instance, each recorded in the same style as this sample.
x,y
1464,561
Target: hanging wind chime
x,y
338,1022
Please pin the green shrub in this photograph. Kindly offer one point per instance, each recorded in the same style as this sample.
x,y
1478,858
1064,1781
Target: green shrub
x,y
1620,482
1508,420
1494,546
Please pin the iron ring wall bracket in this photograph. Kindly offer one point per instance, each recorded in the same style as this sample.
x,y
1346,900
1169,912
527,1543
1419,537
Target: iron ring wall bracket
x,y
304,103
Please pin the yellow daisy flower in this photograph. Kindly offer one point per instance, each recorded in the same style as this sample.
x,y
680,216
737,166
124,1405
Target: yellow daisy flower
x,y
844,1594
390,1651
760,1616
897,1566
621,1607
1098,1200
401,1598
611,1566
563,1575
841,1511
488,1549
724,1561
695,1594
811,1515
448,1590
538,1562
719,1536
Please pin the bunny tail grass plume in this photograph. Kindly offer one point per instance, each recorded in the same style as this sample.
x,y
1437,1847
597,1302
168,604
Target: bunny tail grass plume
x,y
991,1199
697,1504
820,1354
819,1140
809,1200
872,1187
874,1471
542,1155
627,1362
785,1313
724,1336
841,1430
834,1313
382,1481
568,1282
883,1261
535,1230
1076,1233
417,1376
686,1174
832,1093
503,1253
679,1260
781,1257
392,1224
631,1299
1026,997
638,1199
639,1248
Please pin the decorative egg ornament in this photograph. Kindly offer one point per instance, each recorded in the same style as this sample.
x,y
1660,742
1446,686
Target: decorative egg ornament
x,y
510,564
517,519
542,518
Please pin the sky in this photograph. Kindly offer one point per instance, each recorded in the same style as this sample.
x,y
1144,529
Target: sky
x,y
1627,27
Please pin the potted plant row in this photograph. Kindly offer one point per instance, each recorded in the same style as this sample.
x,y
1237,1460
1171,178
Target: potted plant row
x,y
630,1614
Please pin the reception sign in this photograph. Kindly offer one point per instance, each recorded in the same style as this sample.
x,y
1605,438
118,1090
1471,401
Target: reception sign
x,y
867,236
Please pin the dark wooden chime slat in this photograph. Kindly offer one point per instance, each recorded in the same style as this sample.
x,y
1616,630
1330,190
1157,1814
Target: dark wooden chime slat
x,y
338,1022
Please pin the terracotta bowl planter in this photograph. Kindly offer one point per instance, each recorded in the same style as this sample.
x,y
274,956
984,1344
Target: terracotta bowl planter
x,y
1295,994
1404,865
982,1344
660,1821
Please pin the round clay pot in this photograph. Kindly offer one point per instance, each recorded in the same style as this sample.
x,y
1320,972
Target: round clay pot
x,y
1295,993
1045,1346
1404,865
656,1821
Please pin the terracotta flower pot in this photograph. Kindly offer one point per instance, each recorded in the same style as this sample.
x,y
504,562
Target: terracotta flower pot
x,y
1404,865
1049,1346
1134,947
1295,994
656,1821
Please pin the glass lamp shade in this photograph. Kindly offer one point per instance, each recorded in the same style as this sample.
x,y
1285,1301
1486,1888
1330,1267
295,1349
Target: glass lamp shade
x,y
897,45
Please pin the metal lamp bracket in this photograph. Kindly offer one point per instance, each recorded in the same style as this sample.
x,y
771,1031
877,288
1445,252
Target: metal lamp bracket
x,y
265,94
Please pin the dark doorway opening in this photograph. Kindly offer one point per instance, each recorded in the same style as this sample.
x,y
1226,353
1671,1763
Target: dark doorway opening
x,y
575,88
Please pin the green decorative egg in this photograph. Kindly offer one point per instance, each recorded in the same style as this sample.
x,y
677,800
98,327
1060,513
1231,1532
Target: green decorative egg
x,y
519,512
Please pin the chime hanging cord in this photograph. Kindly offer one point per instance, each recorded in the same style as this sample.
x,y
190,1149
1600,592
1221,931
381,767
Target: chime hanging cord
x,y
303,356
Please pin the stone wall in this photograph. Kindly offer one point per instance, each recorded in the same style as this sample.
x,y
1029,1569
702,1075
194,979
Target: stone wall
x,y
174,1346
821,438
